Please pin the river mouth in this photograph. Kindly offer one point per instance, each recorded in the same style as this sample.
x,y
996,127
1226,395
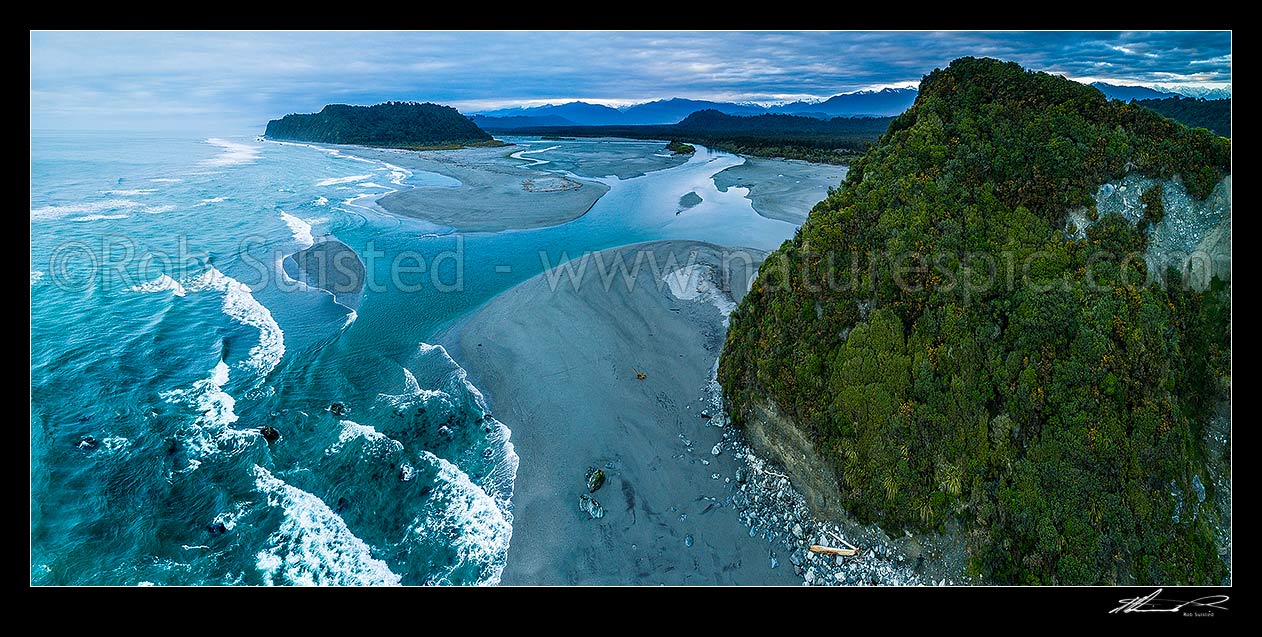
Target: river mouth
x,y
264,425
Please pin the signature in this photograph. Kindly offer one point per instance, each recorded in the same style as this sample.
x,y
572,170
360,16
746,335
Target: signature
x,y
1153,604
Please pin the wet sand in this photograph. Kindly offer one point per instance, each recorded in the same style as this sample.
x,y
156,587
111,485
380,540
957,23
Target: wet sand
x,y
496,192
560,369
331,266
784,189
607,156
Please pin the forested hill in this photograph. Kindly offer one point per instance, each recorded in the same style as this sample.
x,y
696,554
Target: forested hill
x,y
836,140
1195,112
392,124
714,122
1054,408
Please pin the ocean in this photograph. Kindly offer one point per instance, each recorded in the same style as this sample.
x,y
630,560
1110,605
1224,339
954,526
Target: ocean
x,y
166,334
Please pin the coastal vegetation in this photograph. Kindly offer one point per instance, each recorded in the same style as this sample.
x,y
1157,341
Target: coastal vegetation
x,y
418,126
1214,115
681,148
964,362
831,141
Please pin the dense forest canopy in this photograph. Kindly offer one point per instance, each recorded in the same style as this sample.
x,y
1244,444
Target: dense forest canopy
x,y
1057,413
1195,112
392,124
714,122
837,140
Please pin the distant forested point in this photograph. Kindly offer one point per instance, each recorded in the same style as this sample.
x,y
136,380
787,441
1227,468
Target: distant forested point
x,y
1195,112
392,124
832,141
680,148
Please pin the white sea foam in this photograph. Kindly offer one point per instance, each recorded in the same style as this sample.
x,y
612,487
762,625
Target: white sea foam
x,y
333,181
220,374
91,207
499,480
229,518
166,180
332,152
322,201
215,200
313,546
407,472
397,174
375,442
369,184
469,521
216,409
130,193
161,284
413,393
157,210
98,217
233,153
115,444
240,304
300,229
36,277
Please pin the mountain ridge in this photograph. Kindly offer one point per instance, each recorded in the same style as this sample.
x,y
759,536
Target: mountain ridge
x,y
885,102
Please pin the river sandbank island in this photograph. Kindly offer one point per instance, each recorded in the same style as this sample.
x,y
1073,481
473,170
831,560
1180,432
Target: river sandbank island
x,y
783,189
495,193
516,187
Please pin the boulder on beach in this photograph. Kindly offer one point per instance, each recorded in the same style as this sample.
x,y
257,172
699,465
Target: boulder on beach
x,y
595,479
590,506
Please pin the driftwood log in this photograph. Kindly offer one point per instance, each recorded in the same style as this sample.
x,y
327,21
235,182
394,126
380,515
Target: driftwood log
x,y
832,550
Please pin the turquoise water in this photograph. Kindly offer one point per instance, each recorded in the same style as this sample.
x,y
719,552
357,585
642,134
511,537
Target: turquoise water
x,y
164,334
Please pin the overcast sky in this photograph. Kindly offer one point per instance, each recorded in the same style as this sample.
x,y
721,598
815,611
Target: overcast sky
x,y
236,81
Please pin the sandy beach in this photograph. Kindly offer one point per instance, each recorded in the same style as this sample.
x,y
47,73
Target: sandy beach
x,y
560,369
608,156
496,192
331,266
784,189
549,183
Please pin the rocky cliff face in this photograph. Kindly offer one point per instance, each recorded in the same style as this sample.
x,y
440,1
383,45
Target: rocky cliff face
x,y
1193,237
